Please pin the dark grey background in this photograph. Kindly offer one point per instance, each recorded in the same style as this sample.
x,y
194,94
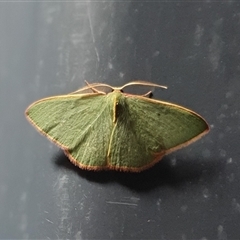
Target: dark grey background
x,y
50,48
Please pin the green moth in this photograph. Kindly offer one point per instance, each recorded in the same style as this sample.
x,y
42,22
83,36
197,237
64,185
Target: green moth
x,y
115,130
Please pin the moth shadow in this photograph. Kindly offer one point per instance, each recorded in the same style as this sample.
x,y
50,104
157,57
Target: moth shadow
x,y
163,173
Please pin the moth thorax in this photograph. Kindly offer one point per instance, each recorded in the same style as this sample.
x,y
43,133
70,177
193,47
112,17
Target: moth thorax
x,y
119,107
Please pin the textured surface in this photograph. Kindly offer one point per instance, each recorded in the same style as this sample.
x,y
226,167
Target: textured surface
x,y
115,130
50,47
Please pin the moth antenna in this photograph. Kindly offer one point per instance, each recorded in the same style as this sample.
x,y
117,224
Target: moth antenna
x,y
93,87
143,83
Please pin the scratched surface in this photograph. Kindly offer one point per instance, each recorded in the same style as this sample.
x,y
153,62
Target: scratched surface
x,y
50,48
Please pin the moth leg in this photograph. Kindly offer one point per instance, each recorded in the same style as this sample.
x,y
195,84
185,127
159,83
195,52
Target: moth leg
x,y
86,89
148,94
92,88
